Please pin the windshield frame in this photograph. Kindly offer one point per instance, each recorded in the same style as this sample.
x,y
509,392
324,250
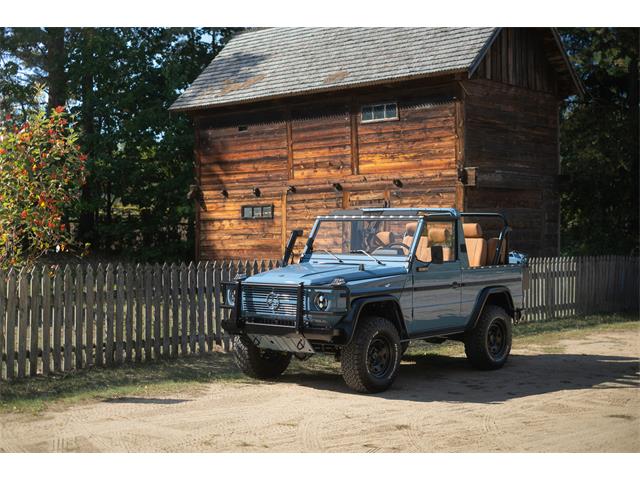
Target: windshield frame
x,y
308,248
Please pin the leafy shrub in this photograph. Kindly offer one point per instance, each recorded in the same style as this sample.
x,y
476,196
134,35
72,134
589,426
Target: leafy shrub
x,y
41,174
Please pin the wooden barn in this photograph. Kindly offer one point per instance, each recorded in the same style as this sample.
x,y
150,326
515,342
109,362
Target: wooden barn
x,y
295,122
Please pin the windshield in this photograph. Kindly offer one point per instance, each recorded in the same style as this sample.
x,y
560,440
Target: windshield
x,y
373,236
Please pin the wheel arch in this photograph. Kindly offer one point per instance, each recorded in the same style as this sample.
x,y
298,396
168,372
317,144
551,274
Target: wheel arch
x,y
496,295
384,306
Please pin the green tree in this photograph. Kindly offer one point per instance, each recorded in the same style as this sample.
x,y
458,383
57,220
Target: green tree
x,y
119,82
599,144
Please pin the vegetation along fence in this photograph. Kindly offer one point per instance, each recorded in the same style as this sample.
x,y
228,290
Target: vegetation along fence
x,y
58,320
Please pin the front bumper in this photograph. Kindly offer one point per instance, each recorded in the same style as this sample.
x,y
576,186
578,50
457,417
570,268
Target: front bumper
x,y
237,322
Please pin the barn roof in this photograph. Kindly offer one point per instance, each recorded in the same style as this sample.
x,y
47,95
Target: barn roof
x,y
276,62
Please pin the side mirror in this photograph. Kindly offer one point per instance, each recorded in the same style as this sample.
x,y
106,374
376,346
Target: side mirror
x,y
289,248
437,256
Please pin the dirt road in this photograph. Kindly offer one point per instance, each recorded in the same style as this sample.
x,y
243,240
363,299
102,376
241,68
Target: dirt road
x,y
583,399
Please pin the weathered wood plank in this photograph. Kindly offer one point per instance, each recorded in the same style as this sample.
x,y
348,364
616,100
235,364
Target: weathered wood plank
x,y
68,319
36,319
79,315
217,278
201,305
166,309
184,310
12,318
130,294
23,321
110,314
3,311
175,309
192,308
140,301
209,289
58,319
90,312
157,315
100,314
119,318
148,312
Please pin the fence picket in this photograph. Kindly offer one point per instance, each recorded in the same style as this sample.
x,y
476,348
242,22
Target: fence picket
x,y
68,319
100,305
79,315
175,309
90,313
36,319
157,321
184,302
166,305
148,312
139,294
109,303
23,320
119,318
201,300
3,309
12,298
192,307
217,278
128,317
57,320
209,300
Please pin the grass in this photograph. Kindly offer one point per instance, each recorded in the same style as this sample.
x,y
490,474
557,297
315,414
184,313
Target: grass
x,y
192,374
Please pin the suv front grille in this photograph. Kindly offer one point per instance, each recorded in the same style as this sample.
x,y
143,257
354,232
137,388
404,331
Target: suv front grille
x,y
272,302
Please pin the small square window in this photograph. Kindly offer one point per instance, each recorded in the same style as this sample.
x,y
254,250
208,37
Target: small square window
x,y
257,212
379,112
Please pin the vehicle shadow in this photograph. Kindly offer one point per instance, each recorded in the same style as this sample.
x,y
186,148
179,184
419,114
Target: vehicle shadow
x,y
437,378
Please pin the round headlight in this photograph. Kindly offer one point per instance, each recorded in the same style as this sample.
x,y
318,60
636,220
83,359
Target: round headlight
x,y
321,301
231,296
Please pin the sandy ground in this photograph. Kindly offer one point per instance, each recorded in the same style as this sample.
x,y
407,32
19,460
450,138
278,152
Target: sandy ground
x,y
584,399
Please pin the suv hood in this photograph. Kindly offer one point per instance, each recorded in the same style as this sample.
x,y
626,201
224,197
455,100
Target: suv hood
x,y
324,273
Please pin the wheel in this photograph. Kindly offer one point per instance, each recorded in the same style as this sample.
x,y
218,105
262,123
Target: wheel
x,y
488,345
258,363
370,361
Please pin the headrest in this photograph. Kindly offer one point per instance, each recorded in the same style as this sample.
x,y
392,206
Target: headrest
x,y
472,230
385,237
411,228
438,235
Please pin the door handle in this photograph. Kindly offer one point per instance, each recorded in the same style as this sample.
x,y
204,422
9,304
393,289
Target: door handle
x,y
455,285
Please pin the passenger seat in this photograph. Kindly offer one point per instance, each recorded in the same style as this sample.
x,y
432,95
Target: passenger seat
x,y
476,245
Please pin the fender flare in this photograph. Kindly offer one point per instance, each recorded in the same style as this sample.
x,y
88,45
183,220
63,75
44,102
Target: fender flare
x,y
349,323
481,301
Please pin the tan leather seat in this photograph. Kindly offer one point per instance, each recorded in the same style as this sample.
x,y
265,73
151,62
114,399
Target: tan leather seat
x,y
422,252
438,236
385,238
492,244
476,245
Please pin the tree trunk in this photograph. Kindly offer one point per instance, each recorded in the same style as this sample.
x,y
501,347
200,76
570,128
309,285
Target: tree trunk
x,y
55,63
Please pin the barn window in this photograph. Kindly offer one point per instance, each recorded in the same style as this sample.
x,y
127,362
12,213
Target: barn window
x,y
250,212
379,112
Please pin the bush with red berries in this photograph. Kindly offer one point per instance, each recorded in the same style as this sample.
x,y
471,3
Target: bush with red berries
x,y
42,170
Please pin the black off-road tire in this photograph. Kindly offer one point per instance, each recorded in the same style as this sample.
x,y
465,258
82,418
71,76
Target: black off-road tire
x,y
258,363
359,371
488,345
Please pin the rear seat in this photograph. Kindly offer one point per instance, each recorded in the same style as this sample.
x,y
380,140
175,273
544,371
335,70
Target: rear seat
x,y
492,244
435,236
476,245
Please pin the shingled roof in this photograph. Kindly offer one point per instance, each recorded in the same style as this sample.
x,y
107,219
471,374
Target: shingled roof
x,y
277,62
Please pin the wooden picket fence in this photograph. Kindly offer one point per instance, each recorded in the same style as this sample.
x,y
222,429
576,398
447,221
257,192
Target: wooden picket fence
x,y
62,319
566,286
58,320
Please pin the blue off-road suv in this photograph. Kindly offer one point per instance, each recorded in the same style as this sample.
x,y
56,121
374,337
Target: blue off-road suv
x,y
370,281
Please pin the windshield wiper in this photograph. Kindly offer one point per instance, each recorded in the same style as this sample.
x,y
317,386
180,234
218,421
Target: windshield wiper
x,y
333,255
368,255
